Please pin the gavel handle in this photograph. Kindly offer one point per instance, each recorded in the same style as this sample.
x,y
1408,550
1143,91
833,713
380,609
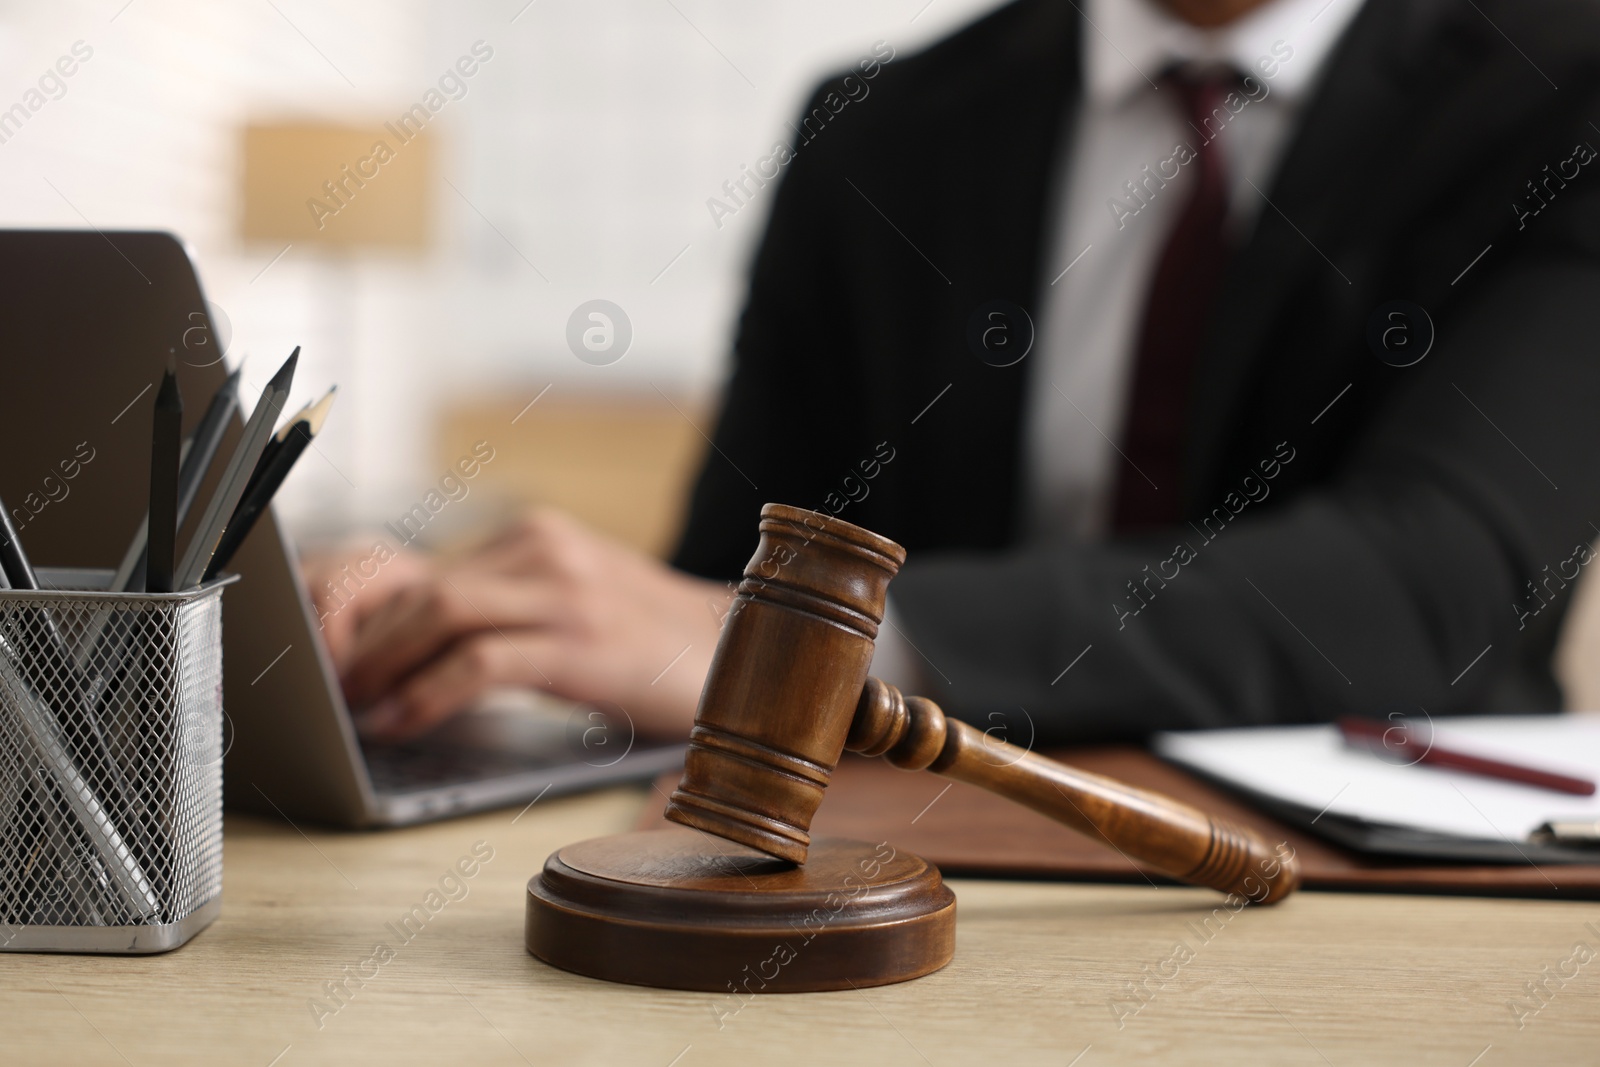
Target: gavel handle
x,y
913,733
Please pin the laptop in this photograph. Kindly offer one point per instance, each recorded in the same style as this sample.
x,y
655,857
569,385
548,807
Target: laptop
x,y
87,322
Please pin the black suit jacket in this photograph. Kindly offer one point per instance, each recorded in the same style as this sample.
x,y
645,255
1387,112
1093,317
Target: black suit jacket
x,y
1386,564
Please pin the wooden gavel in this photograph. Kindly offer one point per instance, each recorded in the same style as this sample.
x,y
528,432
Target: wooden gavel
x,y
788,693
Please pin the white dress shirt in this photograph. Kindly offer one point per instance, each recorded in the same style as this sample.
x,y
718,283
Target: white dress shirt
x,y
1103,255
1098,273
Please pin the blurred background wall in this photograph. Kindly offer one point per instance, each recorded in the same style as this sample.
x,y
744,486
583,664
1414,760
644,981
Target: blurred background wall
x,y
574,163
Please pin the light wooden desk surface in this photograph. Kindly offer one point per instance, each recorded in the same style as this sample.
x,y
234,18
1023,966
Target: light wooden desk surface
x,y
1323,979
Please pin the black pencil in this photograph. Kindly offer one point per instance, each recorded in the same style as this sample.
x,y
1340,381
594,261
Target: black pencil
x,y
166,440
230,490
205,441
274,443
196,456
287,446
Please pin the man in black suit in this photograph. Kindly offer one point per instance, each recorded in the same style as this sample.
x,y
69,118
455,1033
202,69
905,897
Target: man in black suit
x,y
1344,393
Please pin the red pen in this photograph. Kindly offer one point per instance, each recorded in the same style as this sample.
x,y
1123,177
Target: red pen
x,y
1398,740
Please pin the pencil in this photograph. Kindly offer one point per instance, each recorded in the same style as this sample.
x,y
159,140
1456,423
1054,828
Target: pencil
x,y
274,443
205,441
225,499
13,560
195,459
166,441
291,441
76,731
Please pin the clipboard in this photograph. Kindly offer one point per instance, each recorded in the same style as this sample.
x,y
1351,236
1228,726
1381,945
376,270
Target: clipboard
x,y
1397,805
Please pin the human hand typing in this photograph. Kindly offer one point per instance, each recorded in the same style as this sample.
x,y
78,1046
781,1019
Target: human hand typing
x,y
547,604
355,583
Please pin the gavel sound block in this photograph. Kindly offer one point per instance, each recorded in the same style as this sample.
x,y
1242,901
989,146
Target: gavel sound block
x,y
739,898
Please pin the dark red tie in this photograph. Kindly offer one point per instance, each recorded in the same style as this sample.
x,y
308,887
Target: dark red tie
x,y
1182,294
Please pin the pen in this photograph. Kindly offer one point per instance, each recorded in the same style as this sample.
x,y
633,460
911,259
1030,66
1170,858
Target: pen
x,y
1399,740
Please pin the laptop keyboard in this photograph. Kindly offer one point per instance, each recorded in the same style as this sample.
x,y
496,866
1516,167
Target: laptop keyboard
x,y
410,768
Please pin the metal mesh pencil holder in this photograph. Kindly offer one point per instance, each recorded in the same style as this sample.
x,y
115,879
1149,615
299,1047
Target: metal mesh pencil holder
x,y
110,765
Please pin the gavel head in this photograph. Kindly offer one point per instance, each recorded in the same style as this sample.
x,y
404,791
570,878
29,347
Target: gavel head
x,y
785,681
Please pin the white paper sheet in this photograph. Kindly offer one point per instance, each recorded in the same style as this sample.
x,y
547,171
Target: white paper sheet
x,y
1311,766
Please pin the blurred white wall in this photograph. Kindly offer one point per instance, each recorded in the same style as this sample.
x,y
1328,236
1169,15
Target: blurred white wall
x,y
577,166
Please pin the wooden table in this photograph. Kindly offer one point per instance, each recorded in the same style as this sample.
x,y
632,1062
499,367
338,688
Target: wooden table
x,y
1039,971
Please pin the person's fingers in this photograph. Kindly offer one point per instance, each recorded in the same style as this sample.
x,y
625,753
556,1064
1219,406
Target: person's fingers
x,y
338,629
509,544
421,622
547,603
455,679
347,589
541,541
413,627
338,609
318,574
